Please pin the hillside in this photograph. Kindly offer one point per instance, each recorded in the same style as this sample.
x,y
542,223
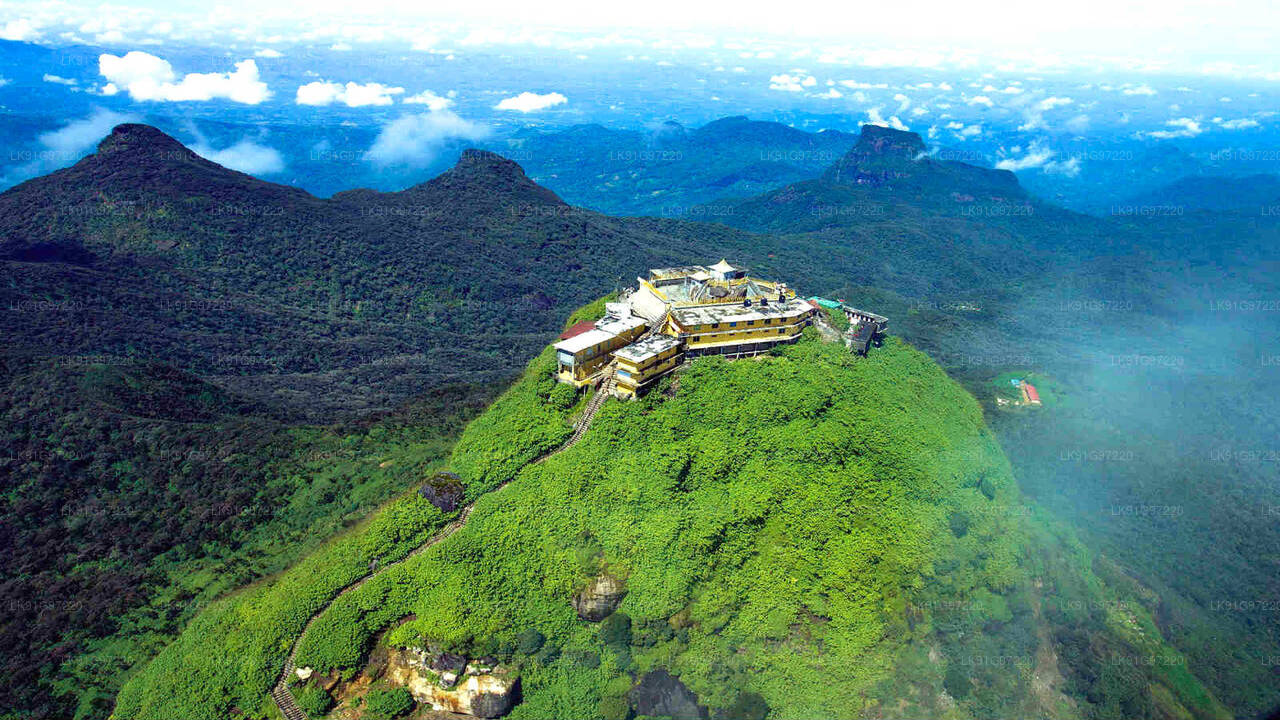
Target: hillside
x,y
804,534
185,347
1190,194
1137,314
199,328
314,307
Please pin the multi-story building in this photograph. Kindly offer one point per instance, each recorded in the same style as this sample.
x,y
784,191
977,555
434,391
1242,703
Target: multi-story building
x,y
745,328
642,363
581,357
688,311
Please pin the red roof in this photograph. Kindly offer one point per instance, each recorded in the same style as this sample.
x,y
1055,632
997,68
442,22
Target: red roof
x,y
1032,394
814,303
578,329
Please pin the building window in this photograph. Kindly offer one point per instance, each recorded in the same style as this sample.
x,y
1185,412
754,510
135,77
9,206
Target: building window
x,y
751,322
733,324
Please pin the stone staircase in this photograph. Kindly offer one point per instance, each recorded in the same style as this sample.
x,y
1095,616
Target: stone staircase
x,y
284,697
593,406
657,327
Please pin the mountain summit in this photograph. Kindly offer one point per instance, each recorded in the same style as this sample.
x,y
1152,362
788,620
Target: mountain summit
x,y
486,174
898,158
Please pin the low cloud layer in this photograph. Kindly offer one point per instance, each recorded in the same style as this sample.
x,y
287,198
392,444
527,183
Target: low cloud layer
x,y
527,102
147,77
246,156
351,94
64,146
414,141
1039,157
430,99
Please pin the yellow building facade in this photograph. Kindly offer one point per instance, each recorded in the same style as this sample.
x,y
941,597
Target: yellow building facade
x,y
739,329
642,363
581,358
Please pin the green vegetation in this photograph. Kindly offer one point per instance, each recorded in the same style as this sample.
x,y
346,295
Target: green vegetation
x,y
794,531
136,494
387,703
837,318
313,700
139,494
231,653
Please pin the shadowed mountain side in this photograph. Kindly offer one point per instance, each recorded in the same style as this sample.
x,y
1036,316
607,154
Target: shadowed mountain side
x,y
145,250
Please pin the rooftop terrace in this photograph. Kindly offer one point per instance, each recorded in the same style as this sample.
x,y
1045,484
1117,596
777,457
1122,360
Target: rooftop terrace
x,y
651,346
709,314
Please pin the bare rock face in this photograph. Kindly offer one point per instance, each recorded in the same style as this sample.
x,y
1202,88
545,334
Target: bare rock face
x,y
660,694
444,490
460,688
598,600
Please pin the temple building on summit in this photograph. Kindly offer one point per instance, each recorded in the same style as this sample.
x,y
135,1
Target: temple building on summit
x,y
682,312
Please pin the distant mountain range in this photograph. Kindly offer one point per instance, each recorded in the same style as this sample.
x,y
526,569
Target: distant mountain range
x,y
672,170
1260,193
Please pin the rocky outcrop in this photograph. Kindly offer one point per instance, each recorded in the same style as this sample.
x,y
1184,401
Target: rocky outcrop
x,y
449,683
599,599
660,694
444,490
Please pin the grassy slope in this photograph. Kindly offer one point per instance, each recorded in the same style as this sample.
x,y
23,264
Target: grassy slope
x,y
230,654
809,527
825,531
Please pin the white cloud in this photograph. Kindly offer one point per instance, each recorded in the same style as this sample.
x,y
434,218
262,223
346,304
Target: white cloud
x,y
1143,89
21,30
980,100
1182,128
352,94
269,53
1078,124
1035,157
415,140
792,83
855,85
147,77
62,147
1038,156
246,156
1050,103
875,118
1236,124
59,80
430,99
1033,117
527,102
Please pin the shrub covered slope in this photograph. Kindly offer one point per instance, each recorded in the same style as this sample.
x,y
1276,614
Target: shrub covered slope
x,y
809,534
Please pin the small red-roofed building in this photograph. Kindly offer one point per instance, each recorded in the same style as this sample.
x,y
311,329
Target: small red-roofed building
x,y
1030,394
